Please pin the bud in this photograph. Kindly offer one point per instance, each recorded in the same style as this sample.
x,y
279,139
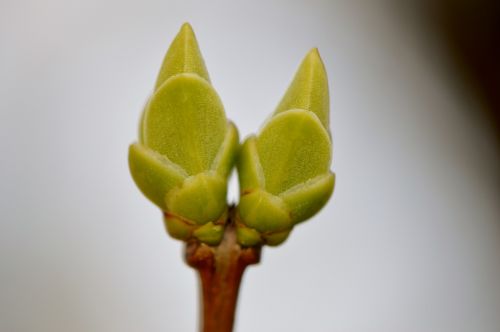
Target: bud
x,y
186,146
284,171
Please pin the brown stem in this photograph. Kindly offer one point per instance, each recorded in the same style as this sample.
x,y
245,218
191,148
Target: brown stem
x,y
220,269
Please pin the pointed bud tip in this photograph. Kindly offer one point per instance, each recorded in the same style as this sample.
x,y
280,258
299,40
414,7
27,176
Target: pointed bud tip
x,y
186,28
314,50
313,56
309,88
183,56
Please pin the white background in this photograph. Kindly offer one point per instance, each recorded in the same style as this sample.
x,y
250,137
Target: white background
x,y
410,241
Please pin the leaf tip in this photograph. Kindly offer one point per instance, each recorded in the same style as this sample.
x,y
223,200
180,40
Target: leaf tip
x,y
309,88
183,56
186,28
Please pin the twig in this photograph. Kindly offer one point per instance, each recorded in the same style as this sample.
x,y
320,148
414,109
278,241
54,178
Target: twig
x,y
220,269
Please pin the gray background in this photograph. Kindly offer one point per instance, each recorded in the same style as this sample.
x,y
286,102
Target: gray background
x,y
410,241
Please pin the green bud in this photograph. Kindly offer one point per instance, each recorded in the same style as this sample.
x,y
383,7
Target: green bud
x,y
154,173
200,198
209,233
276,238
186,145
306,199
187,148
185,121
309,89
224,159
178,228
183,229
183,56
284,171
293,147
247,237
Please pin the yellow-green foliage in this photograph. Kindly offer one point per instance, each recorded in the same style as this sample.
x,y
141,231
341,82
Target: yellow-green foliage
x,y
186,145
284,170
187,149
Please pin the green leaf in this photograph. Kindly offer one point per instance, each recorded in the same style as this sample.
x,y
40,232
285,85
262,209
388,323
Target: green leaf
x,y
183,56
247,237
264,212
284,171
201,198
185,121
226,156
153,173
186,147
209,233
250,171
277,238
178,228
293,147
309,89
306,199
182,229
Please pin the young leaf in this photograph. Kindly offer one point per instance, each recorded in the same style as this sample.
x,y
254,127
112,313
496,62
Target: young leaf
x,y
183,56
306,199
264,212
293,147
186,145
226,156
200,198
153,173
185,121
250,172
309,89
284,171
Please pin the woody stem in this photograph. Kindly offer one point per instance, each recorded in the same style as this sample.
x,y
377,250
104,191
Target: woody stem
x,y
220,269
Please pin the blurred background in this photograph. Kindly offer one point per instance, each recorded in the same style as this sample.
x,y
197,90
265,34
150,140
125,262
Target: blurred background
x,y
410,241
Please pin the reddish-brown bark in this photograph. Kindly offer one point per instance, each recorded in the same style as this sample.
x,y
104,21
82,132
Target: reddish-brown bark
x,y
220,270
